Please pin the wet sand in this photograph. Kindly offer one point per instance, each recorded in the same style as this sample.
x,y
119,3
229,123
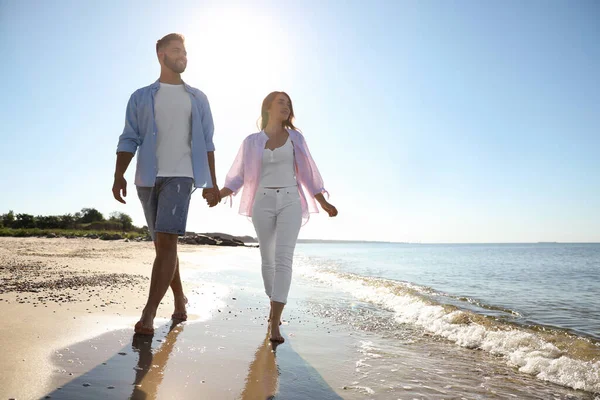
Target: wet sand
x,y
69,307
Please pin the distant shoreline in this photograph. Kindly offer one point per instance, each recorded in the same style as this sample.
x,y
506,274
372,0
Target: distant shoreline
x,y
316,241
319,241
139,236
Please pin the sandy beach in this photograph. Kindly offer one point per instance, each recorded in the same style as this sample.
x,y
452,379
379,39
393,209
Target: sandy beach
x,y
70,305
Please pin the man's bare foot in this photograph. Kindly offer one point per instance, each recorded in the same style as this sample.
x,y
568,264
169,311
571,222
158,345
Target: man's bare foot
x,y
180,312
276,334
146,322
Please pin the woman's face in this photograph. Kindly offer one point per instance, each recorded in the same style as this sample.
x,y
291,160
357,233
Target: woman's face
x,y
280,108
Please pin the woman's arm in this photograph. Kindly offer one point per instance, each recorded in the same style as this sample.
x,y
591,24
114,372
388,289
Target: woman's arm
x,y
311,178
326,206
225,192
235,177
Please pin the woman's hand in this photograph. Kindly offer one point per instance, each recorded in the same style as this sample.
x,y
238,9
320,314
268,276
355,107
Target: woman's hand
x,y
224,193
326,206
329,208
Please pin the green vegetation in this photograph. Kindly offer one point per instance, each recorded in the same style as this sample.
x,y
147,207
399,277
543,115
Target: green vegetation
x,y
89,222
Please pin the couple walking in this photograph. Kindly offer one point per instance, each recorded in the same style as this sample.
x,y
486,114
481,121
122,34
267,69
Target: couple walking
x,y
169,124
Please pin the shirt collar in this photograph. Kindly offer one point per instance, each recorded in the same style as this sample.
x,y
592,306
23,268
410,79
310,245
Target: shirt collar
x,y
156,85
290,132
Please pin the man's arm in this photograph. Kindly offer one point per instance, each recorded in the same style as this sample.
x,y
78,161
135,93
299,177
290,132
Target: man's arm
x,y
128,144
208,128
120,184
123,160
130,140
212,195
211,165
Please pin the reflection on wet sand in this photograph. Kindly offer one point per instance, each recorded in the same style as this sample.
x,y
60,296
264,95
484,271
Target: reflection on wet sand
x,y
150,367
263,374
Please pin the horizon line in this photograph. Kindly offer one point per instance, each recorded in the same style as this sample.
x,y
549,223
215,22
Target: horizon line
x,y
409,242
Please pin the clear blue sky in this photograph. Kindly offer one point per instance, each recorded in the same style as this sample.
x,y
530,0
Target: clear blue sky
x,y
431,121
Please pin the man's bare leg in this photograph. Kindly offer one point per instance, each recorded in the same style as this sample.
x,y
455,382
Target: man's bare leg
x,y
177,288
163,272
180,299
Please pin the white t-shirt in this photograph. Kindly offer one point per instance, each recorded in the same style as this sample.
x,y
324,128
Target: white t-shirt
x,y
173,114
278,167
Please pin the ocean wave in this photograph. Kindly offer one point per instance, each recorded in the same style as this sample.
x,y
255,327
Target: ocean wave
x,y
549,355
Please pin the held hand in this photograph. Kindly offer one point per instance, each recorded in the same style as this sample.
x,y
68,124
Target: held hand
x,y
224,192
119,185
329,209
212,196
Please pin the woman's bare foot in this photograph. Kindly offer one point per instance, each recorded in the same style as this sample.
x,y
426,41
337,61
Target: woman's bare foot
x,y
276,334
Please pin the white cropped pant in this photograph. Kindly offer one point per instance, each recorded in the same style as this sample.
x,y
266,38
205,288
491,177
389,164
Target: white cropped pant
x,y
277,218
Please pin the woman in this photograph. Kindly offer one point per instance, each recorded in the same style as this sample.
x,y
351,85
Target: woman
x,y
281,183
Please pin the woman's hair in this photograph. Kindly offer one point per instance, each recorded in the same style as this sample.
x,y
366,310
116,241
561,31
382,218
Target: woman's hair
x,y
264,115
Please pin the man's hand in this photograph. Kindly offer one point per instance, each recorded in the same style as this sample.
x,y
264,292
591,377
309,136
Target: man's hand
x,y
212,196
120,185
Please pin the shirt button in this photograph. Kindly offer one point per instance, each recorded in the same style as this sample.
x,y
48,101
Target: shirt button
x,y
154,133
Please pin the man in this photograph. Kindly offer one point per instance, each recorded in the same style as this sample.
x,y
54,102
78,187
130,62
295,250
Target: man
x,y
171,125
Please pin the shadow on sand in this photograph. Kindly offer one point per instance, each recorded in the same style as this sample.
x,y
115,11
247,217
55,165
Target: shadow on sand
x,y
278,372
138,371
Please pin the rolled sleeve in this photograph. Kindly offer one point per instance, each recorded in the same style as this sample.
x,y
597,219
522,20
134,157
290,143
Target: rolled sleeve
x,y
129,140
235,177
208,126
310,175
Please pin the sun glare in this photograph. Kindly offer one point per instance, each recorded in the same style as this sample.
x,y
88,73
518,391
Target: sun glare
x,y
237,56
237,50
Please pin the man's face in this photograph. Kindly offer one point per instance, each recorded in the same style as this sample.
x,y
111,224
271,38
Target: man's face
x,y
174,56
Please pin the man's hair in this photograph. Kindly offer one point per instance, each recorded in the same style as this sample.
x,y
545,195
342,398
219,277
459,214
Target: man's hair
x,y
164,42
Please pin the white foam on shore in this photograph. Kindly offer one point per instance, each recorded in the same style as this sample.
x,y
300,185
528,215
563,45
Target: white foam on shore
x,y
524,350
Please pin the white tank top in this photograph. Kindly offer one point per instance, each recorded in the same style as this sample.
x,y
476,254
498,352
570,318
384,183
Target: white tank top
x,y
278,167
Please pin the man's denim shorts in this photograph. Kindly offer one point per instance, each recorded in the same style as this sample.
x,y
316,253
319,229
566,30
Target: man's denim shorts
x,y
166,204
